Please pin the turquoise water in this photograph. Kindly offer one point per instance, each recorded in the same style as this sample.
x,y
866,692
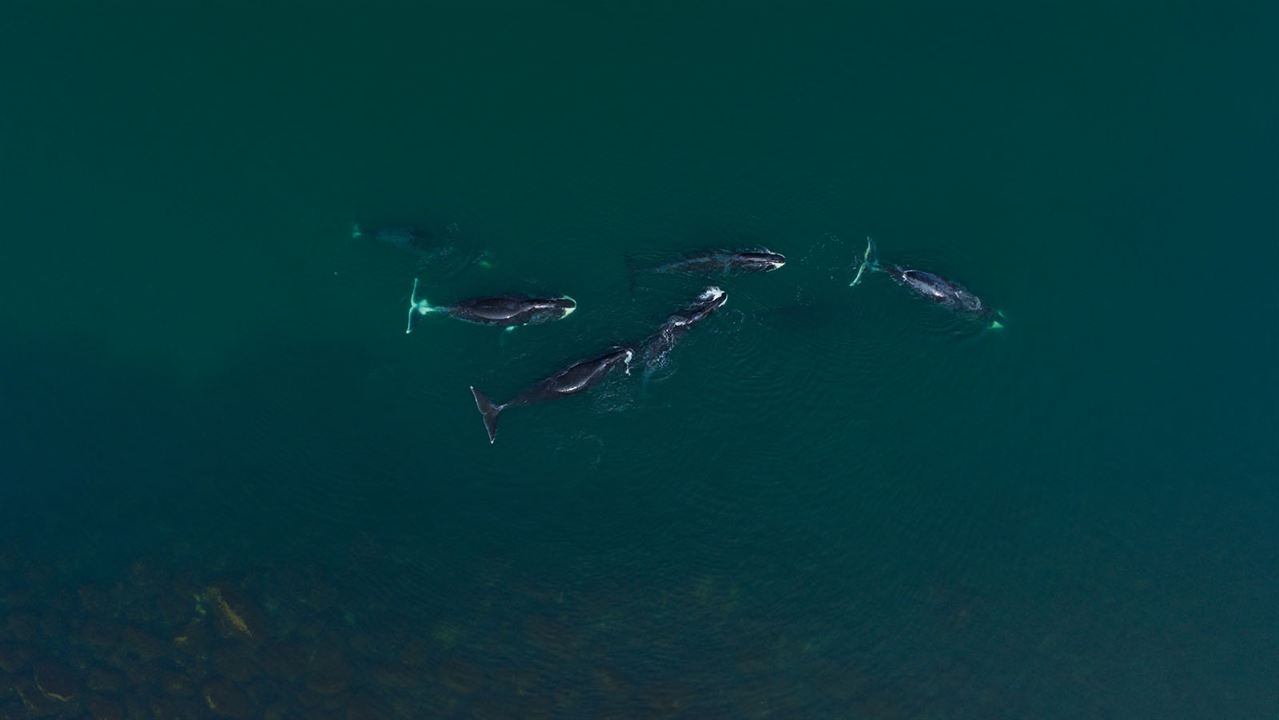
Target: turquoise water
x,y
838,502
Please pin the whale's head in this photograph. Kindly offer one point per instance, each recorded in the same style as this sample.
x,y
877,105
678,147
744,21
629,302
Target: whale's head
x,y
710,294
710,299
761,260
566,305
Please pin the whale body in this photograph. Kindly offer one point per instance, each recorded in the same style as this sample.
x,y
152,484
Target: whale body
x,y
572,380
930,286
725,262
655,350
402,237
505,310
937,289
432,251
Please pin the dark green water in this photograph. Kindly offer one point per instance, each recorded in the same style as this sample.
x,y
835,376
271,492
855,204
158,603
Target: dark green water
x,y
841,503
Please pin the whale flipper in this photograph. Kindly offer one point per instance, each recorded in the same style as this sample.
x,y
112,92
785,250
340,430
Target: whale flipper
x,y
489,411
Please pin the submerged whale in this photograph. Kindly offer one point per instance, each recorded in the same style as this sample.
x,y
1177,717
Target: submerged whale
x,y
508,310
654,351
429,248
714,262
403,237
930,286
569,381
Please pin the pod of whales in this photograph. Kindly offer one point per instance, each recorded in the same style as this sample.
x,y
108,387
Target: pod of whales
x,y
506,310
584,375
512,310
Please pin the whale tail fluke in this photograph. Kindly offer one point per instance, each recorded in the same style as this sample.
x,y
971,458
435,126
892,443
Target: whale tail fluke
x,y
869,261
420,307
489,411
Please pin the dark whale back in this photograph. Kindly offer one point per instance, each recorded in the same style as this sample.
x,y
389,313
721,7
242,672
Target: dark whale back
x,y
406,238
657,347
757,261
939,290
512,309
726,261
575,378
930,286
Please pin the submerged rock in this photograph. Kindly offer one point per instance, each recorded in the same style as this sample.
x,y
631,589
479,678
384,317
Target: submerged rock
x,y
95,600
139,674
328,672
173,609
236,663
143,644
286,661
461,677
56,682
192,641
100,635
226,700
24,626
278,711
35,701
53,628
103,680
398,677
13,657
105,708
172,709
366,707
176,684
136,708
235,616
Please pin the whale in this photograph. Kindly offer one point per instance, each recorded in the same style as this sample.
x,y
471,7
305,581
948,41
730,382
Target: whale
x,y
403,237
655,350
572,380
724,262
930,286
510,311
426,246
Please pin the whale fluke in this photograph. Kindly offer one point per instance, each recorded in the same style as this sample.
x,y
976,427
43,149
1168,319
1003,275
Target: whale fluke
x,y
576,378
489,411
421,307
870,260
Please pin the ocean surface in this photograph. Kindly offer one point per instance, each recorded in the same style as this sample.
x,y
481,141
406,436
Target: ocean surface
x,y
232,486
